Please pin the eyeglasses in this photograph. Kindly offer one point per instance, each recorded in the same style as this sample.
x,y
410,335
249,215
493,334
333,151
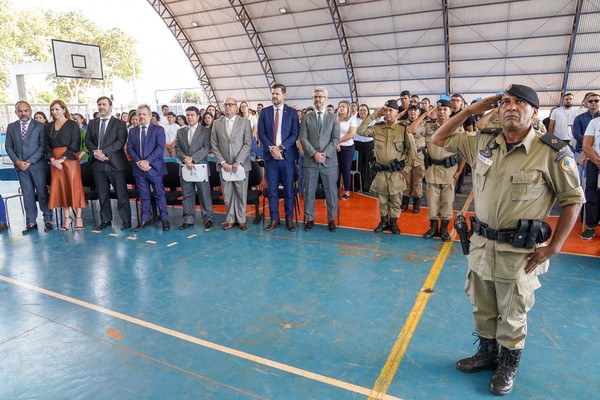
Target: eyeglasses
x,y
594,101
229,104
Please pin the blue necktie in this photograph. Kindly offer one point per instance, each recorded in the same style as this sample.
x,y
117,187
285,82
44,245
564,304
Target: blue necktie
x,y
102,131
143,141
319,122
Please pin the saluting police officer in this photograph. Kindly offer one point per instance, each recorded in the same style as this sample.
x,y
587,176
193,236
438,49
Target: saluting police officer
x,y
517,175
414,180
443,170
395,153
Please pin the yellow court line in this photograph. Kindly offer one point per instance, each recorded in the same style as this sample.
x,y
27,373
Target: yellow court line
x,y
227,350
388,371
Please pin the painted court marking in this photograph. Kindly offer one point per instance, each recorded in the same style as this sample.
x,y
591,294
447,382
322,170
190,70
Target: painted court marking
x,y
227,350
388,371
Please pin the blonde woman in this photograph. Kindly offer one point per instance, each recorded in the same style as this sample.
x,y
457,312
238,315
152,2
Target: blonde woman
x,y
63,143
346,147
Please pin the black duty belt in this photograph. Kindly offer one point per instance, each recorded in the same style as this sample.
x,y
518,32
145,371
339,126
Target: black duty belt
x,y
447,162
527,234
421,149
502,236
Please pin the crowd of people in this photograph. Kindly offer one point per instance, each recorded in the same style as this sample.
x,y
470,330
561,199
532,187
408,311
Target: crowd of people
x,y
519,170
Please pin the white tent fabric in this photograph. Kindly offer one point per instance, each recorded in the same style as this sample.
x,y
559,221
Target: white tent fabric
x,y
429,47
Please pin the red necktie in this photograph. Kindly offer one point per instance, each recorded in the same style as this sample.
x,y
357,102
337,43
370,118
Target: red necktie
x,y
276,127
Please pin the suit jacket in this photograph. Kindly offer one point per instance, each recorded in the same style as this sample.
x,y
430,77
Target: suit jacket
x,y
198,149
113,144
234,148
34,146
289,131
153,149
325,142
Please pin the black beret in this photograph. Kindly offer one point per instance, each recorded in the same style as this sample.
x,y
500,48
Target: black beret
x,y
391,104
444,103
524,92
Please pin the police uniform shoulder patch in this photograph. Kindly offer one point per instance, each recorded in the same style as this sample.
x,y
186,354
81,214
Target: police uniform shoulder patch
x,y
561,155
379,123
568,163
553,141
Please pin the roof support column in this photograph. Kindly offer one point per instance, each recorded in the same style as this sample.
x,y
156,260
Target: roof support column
x,y
446,44
341,34
571,47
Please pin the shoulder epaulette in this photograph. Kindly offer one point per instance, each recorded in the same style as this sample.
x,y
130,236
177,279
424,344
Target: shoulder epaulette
x,y
491,131
379,123
553,141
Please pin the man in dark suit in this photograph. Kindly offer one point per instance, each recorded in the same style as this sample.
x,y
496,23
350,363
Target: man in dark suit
x,y
105,140
319,137
278,133
146,147
26,145
192,146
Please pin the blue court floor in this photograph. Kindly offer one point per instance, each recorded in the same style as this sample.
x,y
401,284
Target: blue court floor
x,y
269,315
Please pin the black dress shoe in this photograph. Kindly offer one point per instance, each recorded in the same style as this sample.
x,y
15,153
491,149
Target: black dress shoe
x,y
309,225
331,226
290,225
30,228
142,225
208,226
48,226
103,225
166,226
274,224
185,225
126,225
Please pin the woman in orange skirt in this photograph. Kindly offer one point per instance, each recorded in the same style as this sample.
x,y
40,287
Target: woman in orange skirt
x,y
63,141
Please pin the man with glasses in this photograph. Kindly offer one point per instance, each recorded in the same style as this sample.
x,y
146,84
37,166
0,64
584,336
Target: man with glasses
x,y
590,125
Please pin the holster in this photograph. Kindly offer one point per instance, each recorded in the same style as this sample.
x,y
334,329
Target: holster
x,y
462,229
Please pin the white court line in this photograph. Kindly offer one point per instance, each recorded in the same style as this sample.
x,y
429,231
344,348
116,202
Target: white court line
x,y
227,350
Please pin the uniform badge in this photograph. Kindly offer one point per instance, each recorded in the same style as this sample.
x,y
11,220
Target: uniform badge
x,y
568,163
561,156
484,159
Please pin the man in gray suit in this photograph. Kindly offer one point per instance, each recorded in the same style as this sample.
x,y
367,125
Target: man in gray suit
x,y
319,136
231,141
26,145
192,145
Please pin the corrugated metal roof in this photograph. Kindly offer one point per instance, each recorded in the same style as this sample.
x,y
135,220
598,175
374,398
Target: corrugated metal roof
x,y
393,46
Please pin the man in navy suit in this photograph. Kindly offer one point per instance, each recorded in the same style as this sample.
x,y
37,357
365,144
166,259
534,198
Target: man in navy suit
x,y
26,145
278,133
146,147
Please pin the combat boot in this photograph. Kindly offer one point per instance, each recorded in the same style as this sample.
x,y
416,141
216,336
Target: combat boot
x,y
504,378
405,202
416,205
382,225
394,226
433,229
444,230
486,357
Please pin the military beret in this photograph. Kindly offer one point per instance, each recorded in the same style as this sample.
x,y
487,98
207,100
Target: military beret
x,y
391,104
444,103
524,92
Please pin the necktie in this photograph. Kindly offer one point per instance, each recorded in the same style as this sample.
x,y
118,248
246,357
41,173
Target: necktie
x,y
23,129
142,141
102,131
276,127
319,121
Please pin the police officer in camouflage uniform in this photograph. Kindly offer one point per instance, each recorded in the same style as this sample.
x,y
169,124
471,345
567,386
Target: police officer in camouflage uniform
x,y
395,153
517,176
414,180
441,173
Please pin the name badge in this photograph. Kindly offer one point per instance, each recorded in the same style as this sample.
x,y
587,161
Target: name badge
x,y
485,160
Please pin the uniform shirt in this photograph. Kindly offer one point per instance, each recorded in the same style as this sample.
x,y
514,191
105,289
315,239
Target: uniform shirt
x,y
520,184
419,138
438,174
593,129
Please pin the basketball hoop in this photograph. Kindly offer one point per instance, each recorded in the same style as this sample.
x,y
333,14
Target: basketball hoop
x,y
85,73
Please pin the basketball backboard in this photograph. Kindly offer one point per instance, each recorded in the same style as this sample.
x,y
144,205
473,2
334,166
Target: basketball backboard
x,y
77,60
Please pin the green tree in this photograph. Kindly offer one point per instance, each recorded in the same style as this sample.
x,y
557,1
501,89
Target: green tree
x,y
189,96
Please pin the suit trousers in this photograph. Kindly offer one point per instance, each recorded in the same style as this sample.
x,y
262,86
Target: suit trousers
x,y
202,190
143,183
104,176
235,195
500,309
592,195
440,198
34,183
328,176
280,171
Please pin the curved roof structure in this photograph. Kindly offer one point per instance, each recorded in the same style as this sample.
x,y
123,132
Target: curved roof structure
x,y
370,50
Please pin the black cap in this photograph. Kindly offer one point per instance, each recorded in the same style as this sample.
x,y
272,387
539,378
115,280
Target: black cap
x,y
413,105
524,92
391,104
444,103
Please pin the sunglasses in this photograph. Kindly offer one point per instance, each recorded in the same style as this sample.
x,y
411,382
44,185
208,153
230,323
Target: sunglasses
x,y
594,101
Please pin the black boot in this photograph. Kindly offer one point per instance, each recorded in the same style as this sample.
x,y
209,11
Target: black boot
x,y
433,229
416,205
382,225
394,226
504,378
444,230
486,357
405,202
